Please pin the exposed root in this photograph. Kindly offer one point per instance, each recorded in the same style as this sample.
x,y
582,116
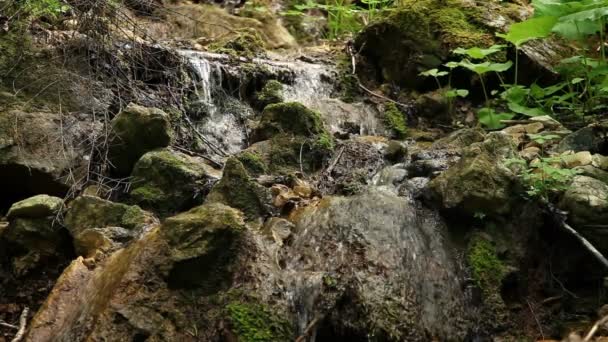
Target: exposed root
x,y
22,325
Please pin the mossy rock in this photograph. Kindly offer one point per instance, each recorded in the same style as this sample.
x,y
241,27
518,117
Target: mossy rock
x,y
290,154
257,323
238,190
36,207
39,235
253,163
203,245
419,35
288,117
86,212
476,184
271,93
167,181
395,120
137,130
246,43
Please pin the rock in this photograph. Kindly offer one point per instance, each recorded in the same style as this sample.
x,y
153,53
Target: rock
x,y
92,241
280,229
433,106
86,212
585,139
203,242
395,151
459,139
302,188
253,162
167,181
586,200
31,160
576,159
137,130
530,153
593,172
38,235
291,117
479,182
237,189
600,161
36,207
283,195
270,94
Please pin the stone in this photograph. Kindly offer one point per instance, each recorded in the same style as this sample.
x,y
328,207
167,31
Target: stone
x,y
39,235
280,229
302,188
593,172
600,161
283,195
586,200
86,212
166,181
289,117
137,130
534,127
238,190
92,241
395,151
585,139
530,153
459,139
271,93
479,182
577,159
36,207
202,243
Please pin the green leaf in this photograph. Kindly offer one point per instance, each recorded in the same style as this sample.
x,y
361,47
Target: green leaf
x,y
482,68
479,53
434,73
530,29
524,110
456,92
577,80
451,65
490,119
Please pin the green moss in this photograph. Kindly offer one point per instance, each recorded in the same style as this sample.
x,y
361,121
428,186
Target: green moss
x,y
147,195
247,43
454,26
395,120
253,163
270,94
286,149
289,117
347,81
257,323
238,190
487,269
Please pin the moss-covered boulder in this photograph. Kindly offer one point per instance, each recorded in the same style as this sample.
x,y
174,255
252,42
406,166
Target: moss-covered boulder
x,y
257,322
418,36
42,235
271,93
237,189
167,181
35,207
395,120
203,243
288,117
253,163
86,212
246,43
479,182
137,130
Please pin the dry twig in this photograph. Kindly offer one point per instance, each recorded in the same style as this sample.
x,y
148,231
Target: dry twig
x,y
22,324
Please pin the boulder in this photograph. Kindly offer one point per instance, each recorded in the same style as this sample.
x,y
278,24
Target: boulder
x,y
31,159
600,161
35,207
86,212
203,242
289,117
42,236
237,189
279,229
137,130
270,94
585,139
92,241
479,182
167,181
593,172
459,139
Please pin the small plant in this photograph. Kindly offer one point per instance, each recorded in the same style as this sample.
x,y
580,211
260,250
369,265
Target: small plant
x,y
543,177
448,93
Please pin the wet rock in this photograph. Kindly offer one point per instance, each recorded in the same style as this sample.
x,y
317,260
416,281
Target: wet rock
x,y
433,106
237,189
530,153
290,117
586,201
87,212
253,163
167,181
202,244
283,195
395,151
428,163
270,94
35,207
38,235
479,182
137,130
593,172
280,229
302,188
